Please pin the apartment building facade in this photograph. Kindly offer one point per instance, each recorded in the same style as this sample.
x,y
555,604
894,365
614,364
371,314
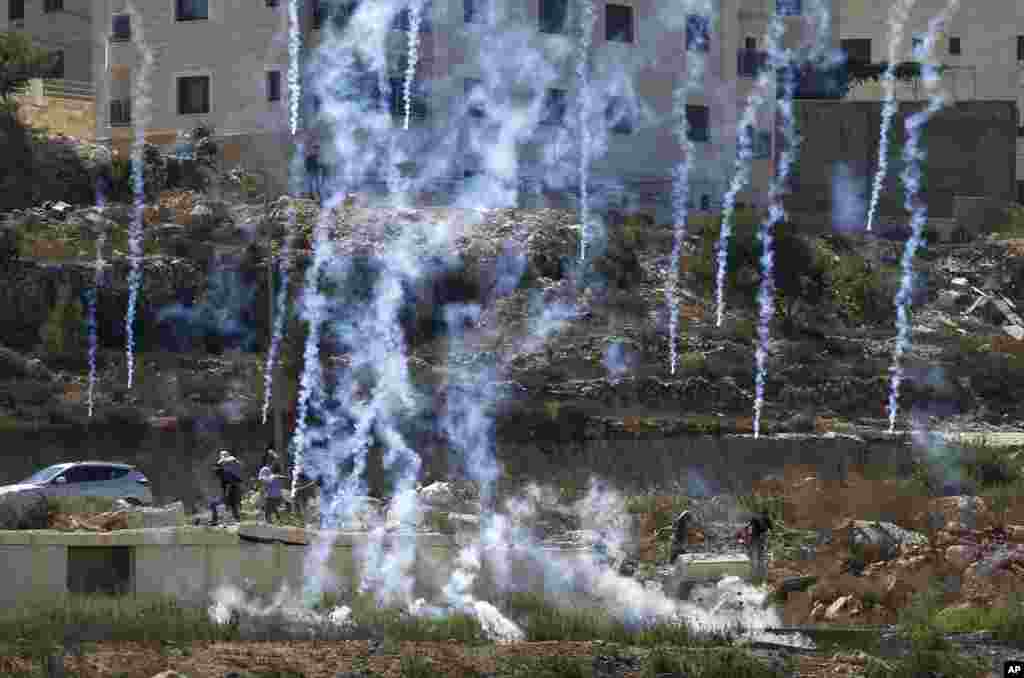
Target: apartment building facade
x,y
226,63
982,48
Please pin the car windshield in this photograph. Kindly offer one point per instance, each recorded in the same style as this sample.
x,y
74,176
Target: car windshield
x,y
47,474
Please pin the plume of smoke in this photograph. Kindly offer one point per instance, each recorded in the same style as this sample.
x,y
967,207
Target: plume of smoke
x,y
140,121
280,314
231,603
587,18
93,298
695,64
776,213
294,54
911,176
741,175
898,14
415,16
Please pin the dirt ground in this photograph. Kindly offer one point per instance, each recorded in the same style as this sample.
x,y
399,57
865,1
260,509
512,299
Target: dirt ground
x,y
328,659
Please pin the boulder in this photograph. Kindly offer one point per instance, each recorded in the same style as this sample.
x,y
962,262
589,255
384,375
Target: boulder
x,y
24,510
880,540
842,607
14,364
960,556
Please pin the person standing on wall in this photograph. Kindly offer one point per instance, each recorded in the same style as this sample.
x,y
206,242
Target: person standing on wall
x,y
273,490
229,470
756,534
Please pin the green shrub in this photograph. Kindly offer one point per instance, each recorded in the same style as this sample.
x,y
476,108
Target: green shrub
x,y
64,330
711,663
1014,226
692,361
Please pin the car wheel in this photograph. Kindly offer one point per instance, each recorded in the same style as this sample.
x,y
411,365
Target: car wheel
x,y
133,501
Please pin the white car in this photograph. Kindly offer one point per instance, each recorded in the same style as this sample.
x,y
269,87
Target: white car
x,y
88,479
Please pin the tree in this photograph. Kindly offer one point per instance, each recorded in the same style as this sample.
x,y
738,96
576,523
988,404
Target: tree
x,y
20,61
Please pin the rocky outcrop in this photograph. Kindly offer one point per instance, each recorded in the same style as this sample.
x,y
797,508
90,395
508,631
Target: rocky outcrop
x,y
24,510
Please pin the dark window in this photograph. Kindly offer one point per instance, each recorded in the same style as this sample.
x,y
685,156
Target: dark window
x,y
57,64
475,11
789,7
618,23
273,3
552,15
193,95
916,44
1020,131
1020,192
473,88
1020,48
857,50
403,22
697,120
16,10
100,569
555,106
273,85
53,5
396,102
192,10
750,62
750,42
705,202
120,112
954,46
82,474
121,27
118,472
319,12
618,116
697,29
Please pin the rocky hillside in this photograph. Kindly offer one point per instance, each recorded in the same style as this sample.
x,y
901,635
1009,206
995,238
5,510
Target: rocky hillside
x,y
204,323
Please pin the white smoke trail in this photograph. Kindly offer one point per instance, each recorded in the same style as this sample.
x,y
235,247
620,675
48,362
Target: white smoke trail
x,y
898,15
776,213
911,176
294,54
741,175
280,311
695,63
140,121
93,299
587,19
415,16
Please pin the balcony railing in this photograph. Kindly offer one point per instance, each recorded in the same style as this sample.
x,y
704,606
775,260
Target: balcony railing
x,y
750,62
120,112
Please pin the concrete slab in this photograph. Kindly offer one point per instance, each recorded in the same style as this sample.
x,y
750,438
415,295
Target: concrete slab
x,y
179,571
273,533
32,575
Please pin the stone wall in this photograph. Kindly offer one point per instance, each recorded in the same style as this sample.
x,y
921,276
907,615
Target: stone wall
x,y
969,147
75,117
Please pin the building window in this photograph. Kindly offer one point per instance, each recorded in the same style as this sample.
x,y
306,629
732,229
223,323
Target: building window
x,y
857,50
1020,48
121,28
697,119
475,11
1020,192
555,106
192,10
193,95
403,22
618,23
750,62
954,46
273,3
552,15
473,89
697,33
750,42
618,116
789,7
120,112
273,85
53,6
16,10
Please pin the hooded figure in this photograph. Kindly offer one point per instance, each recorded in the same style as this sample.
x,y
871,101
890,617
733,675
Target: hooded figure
x,y
229,471
680,526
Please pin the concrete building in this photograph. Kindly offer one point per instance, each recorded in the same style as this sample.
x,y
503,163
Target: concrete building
x,y
982,48
63,27
226,64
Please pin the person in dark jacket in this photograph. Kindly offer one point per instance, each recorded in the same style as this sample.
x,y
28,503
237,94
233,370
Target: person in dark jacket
x,y
303,492
757,545
229,472
680,527
314,171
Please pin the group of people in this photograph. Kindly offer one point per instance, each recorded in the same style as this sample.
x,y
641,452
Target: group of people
x,y
754,535
272,480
